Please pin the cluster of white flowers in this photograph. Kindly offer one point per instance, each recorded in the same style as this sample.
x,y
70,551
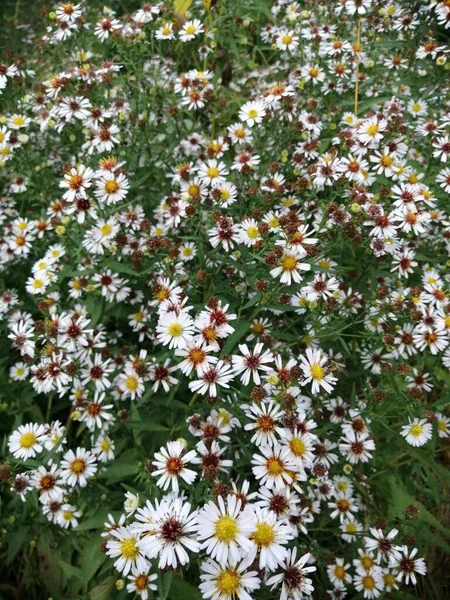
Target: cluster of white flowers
x,y
239,249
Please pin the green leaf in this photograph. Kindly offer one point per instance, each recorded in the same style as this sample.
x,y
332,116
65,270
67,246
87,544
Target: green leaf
x,y
256,298
96,521
182,590
95,308
147,426
71,571
103,590
123,467
236,336
16,541
439,470
92,559
50,571
182,6
119,267
401,499
164,583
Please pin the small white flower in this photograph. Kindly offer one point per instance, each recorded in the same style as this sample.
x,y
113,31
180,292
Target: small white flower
x,y
27,441
418,432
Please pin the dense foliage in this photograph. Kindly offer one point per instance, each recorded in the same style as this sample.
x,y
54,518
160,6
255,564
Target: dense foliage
x,y
224,301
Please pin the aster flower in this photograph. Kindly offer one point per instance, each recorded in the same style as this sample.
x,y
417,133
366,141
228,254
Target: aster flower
x,y
171,464
229,581
408,565
314,370
294,580
126,547
77,467
27,441
418,432
173,531
250,363
225,529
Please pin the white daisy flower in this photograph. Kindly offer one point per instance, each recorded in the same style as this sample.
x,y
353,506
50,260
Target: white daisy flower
x,y
27,441
295,583
226,529
252,112
175,330
171,464
127,548
250,363
77,467
141,582
418,432
408,565
269,537
227,581
313,367
173,529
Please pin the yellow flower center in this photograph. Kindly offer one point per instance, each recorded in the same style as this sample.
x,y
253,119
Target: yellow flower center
x,y
28,440
224,416
367,562
175,329
252,113
264,534
226,529
19,121
368,582
252,232
131,383
442,426
350,528
317,371
372,129
389,579
286,39
416,430
105,229
288,262
193,190
275,466
339,572
111,187
297,447
213,172
105,445
78,466
190,29
129,549
141,582
67,515
228,582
